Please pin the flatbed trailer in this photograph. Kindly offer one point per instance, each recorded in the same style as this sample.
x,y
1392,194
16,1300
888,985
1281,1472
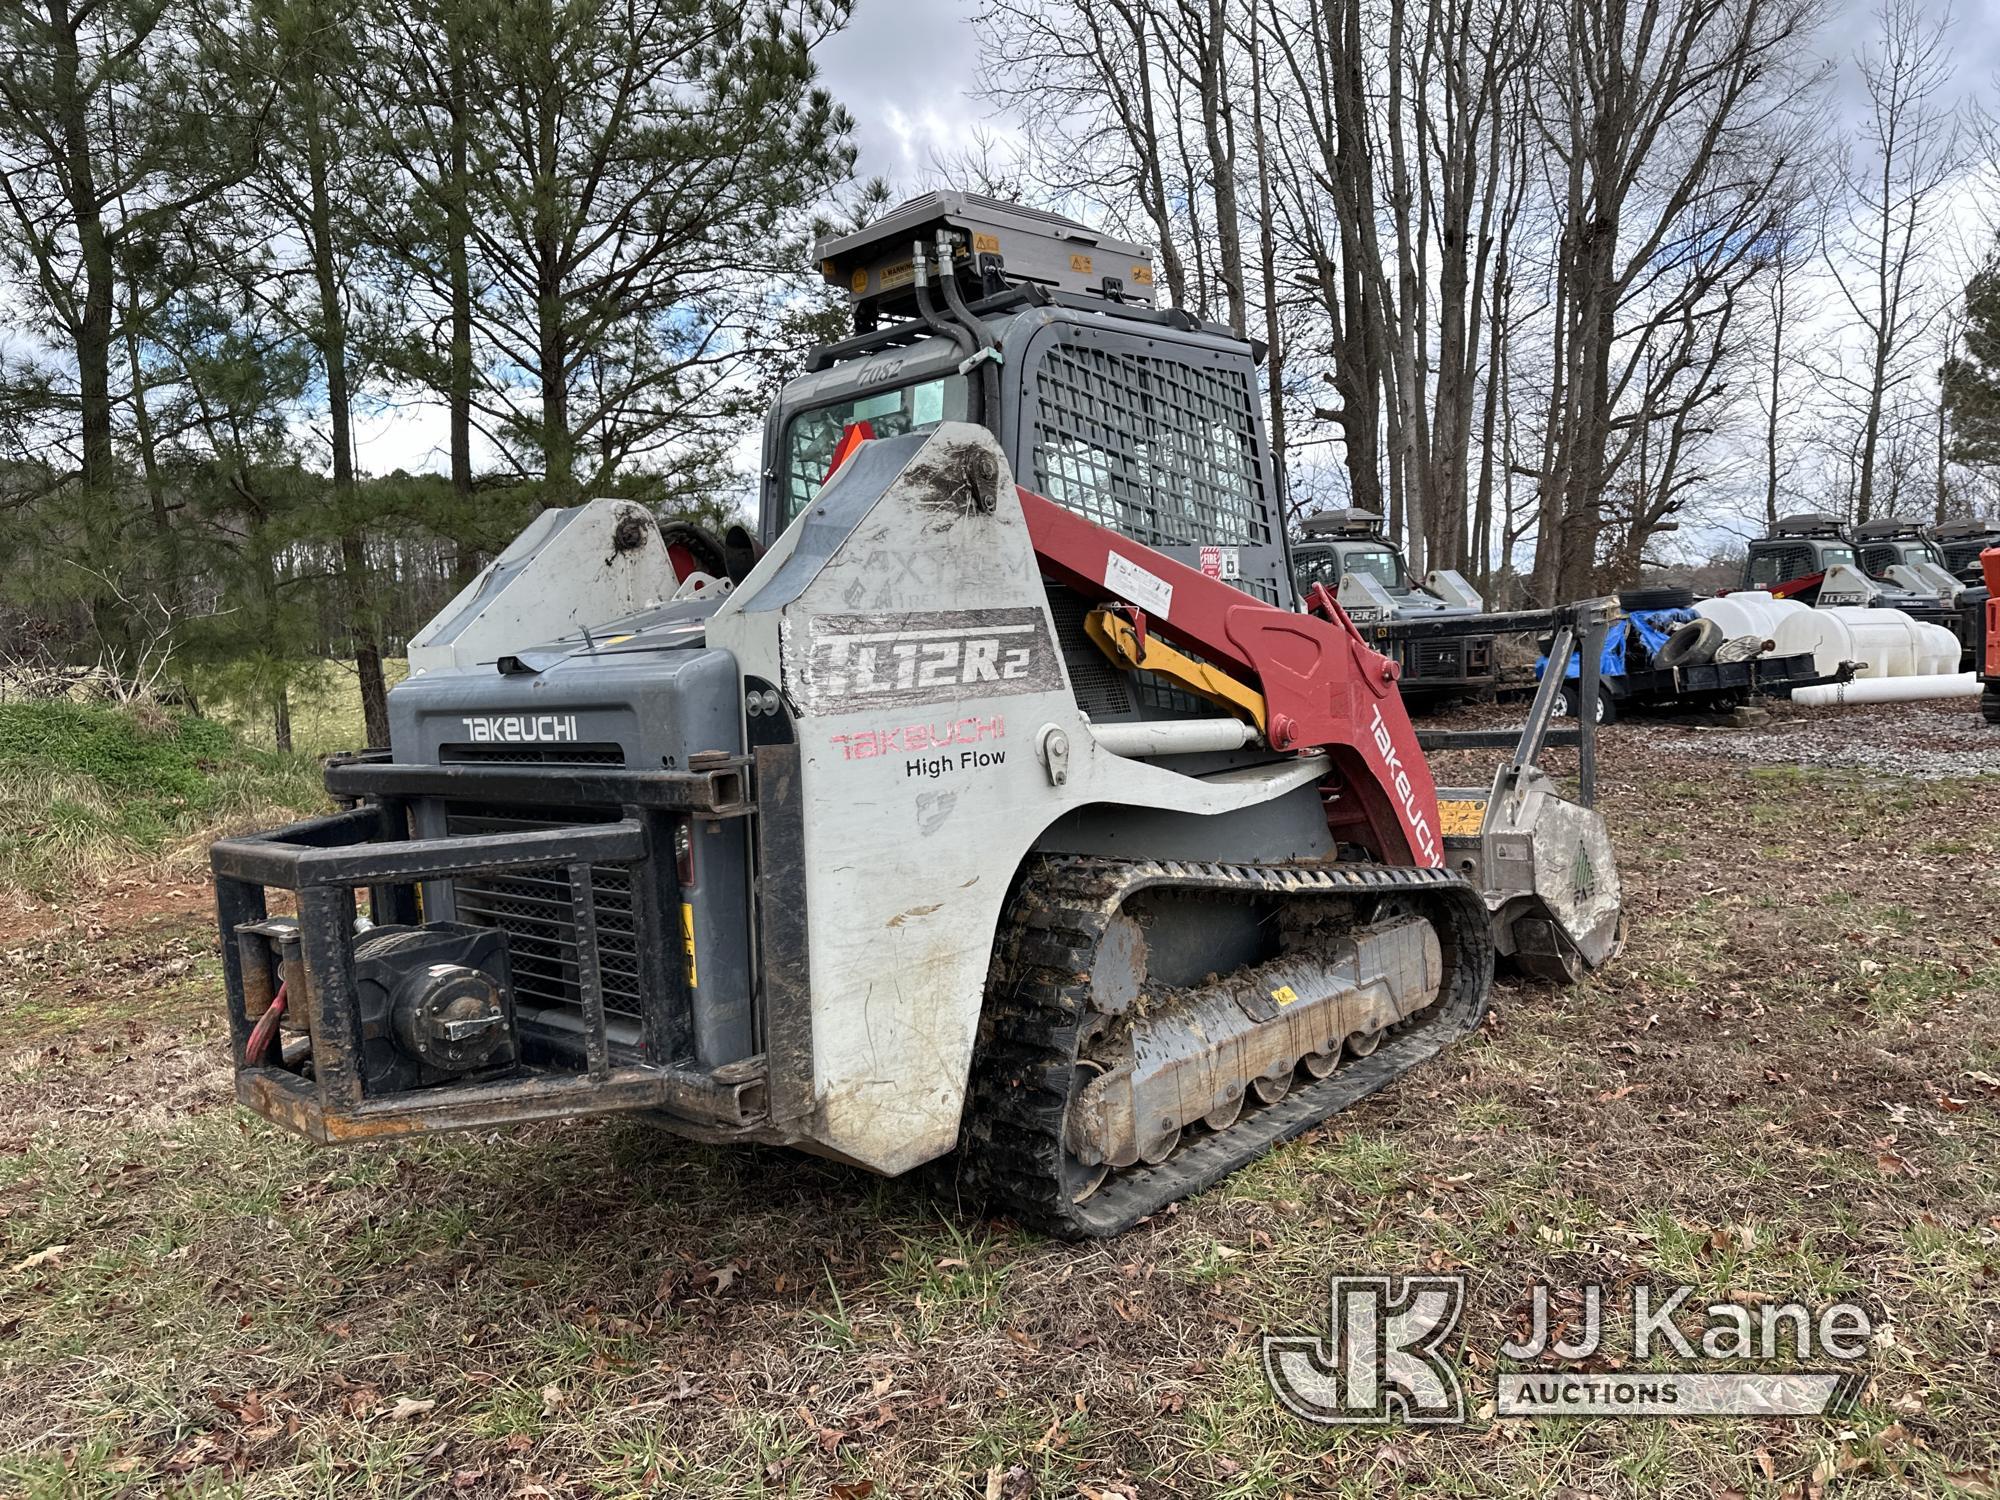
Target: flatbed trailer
x,y
1712,685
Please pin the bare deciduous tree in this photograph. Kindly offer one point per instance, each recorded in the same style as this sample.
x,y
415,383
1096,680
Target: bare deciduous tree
x,y
1910,149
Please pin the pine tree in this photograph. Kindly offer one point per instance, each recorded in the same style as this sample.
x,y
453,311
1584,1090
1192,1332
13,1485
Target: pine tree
x,y
1971,380
323,192
644,168
113,131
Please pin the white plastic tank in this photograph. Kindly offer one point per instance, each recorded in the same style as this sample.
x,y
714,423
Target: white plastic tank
x,y
1937,650
1752,612
1885,642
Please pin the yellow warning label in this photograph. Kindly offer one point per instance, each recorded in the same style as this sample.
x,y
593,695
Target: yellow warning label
x,y
859,281
1142,276
986,244
687,940
1461,817
902,273
1284,994
1080,264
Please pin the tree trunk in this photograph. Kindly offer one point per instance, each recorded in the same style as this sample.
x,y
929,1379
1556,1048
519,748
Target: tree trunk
x,y
458,232
1871,430
340,413
1218,134
142,428
551,346
92,331
1152,178
1943,494
1479,555
1409,511
1776,388
1267,256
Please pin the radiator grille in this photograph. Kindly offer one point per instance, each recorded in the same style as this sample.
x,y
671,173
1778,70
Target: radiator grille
x,y
1159,450
536,909
532,755
1437,659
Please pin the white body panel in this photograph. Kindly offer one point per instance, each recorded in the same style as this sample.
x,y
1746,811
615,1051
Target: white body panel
x,y
1448,585
1926,578
569,570
1844,586
1365,600
911,633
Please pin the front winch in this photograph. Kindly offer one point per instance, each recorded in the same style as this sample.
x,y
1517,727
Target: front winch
x,y
436,1002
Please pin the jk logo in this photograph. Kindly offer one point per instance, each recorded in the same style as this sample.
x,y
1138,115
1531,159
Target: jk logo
x,y
1389,1354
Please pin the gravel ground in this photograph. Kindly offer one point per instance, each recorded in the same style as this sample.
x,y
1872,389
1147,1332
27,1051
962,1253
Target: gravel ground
x,y
1924,741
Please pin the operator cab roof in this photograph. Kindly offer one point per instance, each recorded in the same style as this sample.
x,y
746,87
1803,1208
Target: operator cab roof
x,y
1344,522
1890,530
994,245
1807,523
1965,531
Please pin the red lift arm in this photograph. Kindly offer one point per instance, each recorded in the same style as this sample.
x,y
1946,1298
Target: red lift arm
x,y
1323,687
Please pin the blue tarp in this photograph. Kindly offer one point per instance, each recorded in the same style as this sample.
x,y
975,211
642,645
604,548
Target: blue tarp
x,y
1651,626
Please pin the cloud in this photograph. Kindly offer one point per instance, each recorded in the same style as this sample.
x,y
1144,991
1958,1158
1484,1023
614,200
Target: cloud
x,y
906,70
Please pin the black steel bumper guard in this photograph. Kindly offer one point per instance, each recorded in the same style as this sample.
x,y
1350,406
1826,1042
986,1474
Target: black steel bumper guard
x,y
325,860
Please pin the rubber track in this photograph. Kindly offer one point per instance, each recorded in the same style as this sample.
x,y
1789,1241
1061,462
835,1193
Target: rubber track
x,y
1038,993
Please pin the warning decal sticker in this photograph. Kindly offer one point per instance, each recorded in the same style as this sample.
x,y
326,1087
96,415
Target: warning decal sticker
x,y
1128,580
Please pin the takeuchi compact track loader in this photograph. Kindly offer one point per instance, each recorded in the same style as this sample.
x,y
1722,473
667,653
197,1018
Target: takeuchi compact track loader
x,y
997,796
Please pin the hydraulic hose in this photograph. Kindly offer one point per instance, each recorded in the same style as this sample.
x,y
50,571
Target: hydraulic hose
x,y
266,1027
960,335
984,347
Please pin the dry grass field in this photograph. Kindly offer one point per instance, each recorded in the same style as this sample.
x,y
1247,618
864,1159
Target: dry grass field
x,y
1788,1085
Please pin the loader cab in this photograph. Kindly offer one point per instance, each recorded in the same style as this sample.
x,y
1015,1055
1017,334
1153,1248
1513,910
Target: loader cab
x,y
1336,543
1349,546
1798,547
1883,545
1959,544
1142,419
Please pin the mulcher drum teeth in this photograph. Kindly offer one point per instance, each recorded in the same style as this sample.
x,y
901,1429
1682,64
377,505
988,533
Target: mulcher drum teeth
x,y
1038,996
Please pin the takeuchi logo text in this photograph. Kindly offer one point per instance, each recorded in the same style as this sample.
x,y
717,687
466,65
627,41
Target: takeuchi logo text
x,y
520,729
1424,836
866,744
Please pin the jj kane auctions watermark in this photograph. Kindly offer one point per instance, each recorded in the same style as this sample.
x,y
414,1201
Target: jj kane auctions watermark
x,y
1392,1352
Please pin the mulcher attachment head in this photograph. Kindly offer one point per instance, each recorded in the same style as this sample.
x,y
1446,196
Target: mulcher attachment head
x,y
1542,860
1550,878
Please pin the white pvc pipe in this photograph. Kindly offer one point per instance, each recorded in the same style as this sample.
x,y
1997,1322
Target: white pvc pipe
x,y
1151,737
1888,689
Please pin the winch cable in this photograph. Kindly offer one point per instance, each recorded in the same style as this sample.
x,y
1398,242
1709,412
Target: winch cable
x,y
265,1029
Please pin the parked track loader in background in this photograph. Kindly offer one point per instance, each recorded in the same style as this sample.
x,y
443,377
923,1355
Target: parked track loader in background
x,y
961,814
1888,564
1961,543
1346,550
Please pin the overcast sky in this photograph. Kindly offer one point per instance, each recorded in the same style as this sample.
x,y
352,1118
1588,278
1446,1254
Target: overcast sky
x,y
906,70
